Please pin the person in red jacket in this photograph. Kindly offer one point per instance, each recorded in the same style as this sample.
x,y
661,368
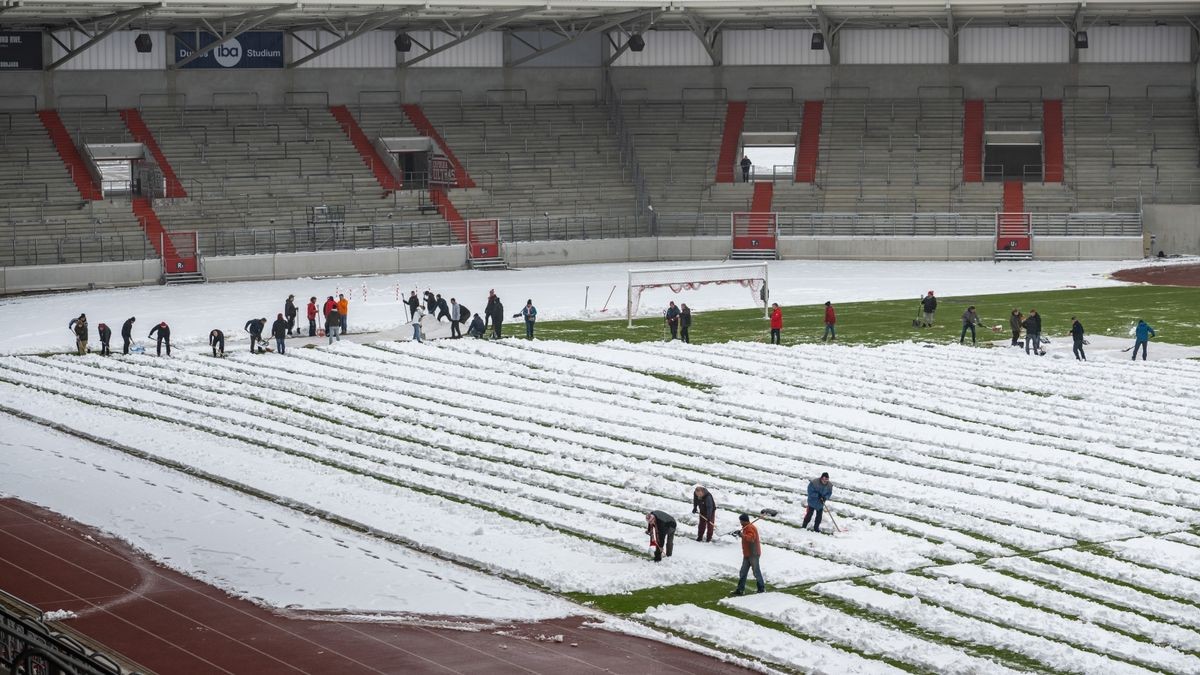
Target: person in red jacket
x,y
312,316
330,305
776,323
751,552
830,320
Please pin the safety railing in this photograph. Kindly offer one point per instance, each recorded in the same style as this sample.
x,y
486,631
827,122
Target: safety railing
x,y
29,645
835,224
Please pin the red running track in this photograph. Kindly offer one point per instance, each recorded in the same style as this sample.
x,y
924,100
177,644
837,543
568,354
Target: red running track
x,y
171,623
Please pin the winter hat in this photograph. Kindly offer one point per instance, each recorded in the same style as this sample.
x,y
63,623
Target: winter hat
x,y
744,518
825,475
827,303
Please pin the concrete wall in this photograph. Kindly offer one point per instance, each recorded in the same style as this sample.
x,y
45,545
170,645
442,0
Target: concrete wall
x,y
544,253
125,88
1175,228
335,263
36,278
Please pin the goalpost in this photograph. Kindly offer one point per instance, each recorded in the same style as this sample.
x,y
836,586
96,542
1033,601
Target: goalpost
x,y
749,275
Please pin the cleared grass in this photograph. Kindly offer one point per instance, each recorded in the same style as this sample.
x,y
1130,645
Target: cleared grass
x,y
1171,310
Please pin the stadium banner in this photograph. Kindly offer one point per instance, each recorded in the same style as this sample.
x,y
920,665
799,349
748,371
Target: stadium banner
x,y
20,50
253,49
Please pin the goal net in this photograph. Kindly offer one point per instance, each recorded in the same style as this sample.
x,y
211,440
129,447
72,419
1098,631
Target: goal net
x,y
751,276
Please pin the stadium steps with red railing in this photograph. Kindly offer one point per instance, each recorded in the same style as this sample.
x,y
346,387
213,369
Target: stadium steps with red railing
x,y
418,119
70,155
365,148
1052,140
153,227
1012,232
809,146
764,192
142,134
973,141
441,199
731,138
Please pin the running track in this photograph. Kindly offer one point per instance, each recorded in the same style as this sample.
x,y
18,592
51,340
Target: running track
x,y
170,623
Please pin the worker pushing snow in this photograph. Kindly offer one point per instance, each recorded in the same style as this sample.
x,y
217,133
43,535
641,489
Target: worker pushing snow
x,y
819,491
661,528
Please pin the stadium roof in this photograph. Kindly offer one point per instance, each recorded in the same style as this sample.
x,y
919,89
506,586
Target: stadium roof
x,y
568,17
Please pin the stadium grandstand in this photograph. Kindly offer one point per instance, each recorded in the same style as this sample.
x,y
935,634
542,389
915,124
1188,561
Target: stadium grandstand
x,y
194,141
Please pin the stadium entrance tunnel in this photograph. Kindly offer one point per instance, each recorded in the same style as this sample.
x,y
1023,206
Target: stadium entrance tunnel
x,y
772,155
1012,155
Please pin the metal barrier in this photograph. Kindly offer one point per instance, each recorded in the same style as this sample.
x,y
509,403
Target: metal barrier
x,y
27,645
834,224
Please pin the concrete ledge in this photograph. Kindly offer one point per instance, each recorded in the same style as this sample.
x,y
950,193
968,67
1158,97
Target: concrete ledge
x,y
37,278
335,263
1087,248
886,248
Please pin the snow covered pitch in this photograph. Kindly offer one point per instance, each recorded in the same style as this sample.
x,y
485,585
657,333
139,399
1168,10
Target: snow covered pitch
x,y
1001,513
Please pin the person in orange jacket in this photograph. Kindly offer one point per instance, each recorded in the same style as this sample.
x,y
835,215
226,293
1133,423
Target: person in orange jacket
x,y
343,306
776,323
751,551
830,320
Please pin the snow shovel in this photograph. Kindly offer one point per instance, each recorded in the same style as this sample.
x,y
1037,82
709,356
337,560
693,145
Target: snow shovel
x,y
831,519
765,513
919,318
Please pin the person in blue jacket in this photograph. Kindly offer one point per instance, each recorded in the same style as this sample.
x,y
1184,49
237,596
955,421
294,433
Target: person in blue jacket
x,y
819,491
1143,333
529,313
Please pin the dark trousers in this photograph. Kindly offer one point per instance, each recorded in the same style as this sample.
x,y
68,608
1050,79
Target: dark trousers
x,y
683,334
291,323
666,543
746,175
255,338
808,512
750,562
1016,336
219,346
967,327
312,328
344,318
159,346
529,329
1077,349
1140,344
775,336
705,529
126,339
279,344
674,326
104,350
830,332
455,329
441,313
496,328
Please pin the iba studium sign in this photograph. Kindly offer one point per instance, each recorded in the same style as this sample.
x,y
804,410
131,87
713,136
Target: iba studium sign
x,y
253,49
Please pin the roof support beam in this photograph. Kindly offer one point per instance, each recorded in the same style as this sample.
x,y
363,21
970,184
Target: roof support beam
x,y
829,31
120,20
248,22
485,24
604,27
369,23
709,36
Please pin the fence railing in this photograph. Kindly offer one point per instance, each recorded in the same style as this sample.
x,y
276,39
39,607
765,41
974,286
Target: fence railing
x,y
833,224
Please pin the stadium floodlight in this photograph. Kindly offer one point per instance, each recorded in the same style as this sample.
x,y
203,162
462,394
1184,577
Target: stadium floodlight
x,y
818,42
403,43
636,42
752,276
1081,40
143,44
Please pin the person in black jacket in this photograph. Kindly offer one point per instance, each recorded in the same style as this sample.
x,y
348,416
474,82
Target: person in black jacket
x,y
685,323
79,327
289,311
163,331
497,317
216,340
477,327
443,309
661,528
1077,340
1033,332
673,319
280,330
105,336
1014,322
127,333
489,309
430,302
705,506
414,303
255,328
929,306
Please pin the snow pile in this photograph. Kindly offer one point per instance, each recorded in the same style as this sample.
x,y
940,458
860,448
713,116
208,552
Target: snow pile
x,y
59,615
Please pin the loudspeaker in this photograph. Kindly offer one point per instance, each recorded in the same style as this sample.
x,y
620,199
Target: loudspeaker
x,y
818,41
403,43
143,44
636,42
1081,40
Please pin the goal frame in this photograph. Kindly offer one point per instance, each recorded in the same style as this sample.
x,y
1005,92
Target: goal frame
x,y
739,273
